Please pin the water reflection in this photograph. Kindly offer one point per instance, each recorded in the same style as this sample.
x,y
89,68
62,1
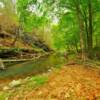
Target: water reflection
x,y
33,68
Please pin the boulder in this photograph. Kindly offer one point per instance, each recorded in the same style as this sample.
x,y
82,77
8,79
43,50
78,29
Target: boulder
x,y
15,83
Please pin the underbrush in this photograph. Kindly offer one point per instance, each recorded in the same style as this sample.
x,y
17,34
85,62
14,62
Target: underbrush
x,y
27,85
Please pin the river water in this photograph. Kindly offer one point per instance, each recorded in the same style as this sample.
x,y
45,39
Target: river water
x,y
25,69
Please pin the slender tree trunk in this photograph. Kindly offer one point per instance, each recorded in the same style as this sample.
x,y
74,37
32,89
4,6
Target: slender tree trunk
x,y
90,33
76,46
81,26
86,28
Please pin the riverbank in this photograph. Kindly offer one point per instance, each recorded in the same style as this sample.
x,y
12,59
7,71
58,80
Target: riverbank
x,y
71,82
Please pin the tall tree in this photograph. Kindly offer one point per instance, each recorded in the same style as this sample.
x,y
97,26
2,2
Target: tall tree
x,y
90,33
81,26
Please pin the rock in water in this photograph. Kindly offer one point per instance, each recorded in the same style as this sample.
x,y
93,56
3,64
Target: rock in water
x,y
2,67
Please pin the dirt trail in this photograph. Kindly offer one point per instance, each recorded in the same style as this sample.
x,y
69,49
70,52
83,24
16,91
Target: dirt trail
x,y
72,82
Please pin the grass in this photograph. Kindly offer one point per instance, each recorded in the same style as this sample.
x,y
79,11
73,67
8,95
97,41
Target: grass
x,y
39,80
4,95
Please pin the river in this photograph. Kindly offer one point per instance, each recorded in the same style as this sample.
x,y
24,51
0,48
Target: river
x,y
31,68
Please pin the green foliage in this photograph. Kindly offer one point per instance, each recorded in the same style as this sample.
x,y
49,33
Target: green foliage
x,y
39,80
64,33
30,15
4,95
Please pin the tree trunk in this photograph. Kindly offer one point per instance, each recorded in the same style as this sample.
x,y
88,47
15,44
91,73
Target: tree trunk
x,y
86,28
89,39
81,26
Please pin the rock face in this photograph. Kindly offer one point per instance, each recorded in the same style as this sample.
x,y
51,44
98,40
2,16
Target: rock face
x,y
2,67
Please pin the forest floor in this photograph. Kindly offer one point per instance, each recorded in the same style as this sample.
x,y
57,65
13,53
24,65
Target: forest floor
x,y
71,82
